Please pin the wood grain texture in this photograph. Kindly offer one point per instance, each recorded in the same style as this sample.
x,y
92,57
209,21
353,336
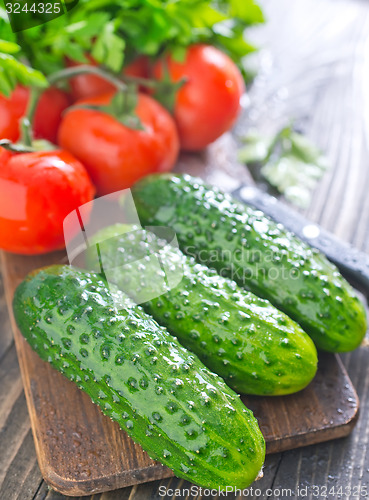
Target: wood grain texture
x,y
315,68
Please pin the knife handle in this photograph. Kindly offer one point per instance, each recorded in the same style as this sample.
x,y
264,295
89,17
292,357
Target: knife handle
x,y
352,263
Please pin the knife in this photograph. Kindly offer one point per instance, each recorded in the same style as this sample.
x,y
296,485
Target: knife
x,y
353,264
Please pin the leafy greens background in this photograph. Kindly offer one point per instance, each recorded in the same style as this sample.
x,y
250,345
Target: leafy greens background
x,y
116,31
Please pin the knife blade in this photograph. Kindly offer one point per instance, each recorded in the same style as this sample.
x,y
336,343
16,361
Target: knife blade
x,y
352,263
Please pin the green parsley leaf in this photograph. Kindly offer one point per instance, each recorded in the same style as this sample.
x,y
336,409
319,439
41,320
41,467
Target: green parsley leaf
x,y
9,47
288,161
13,71
256,149
294,178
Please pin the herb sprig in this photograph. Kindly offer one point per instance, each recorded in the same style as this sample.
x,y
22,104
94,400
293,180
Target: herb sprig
x,y
289,162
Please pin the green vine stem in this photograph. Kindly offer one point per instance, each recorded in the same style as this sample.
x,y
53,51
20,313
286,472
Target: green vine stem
x,y
27,120
144,82
67,73
15,148
26,143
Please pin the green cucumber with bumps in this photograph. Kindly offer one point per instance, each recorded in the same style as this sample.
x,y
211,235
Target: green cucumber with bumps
x,y
254,347
258,253
163,396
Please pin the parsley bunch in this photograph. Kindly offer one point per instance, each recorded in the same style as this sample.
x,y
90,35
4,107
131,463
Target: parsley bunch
x,y
114,32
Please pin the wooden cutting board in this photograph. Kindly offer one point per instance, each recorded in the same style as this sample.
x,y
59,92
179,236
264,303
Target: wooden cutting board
x,y
81,451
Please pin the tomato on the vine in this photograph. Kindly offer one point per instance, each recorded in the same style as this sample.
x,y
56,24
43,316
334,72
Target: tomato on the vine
x,y
9,123
37,191
209,102
4,156
50,107
19,100
87,85
53,102
115,155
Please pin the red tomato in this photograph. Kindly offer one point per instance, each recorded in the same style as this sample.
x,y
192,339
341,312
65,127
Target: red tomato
x,y
208,104
19,100
114,155
50,107
48,115
85,86
140,68
37,191
4,156
9,126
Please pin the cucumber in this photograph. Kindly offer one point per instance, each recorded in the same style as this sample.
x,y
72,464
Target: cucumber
x,y
257,253
254,347
181,413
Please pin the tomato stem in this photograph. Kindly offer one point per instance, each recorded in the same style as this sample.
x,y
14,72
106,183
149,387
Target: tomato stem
x,y
151,84
67,73
120,84
26,122
16,148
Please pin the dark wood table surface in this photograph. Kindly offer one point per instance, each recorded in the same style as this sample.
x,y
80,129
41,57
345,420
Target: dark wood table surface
x,y
314,69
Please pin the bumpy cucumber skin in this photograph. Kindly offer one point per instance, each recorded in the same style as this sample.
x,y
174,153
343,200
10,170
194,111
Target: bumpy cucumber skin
x,y
162,396
254,347
258,253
